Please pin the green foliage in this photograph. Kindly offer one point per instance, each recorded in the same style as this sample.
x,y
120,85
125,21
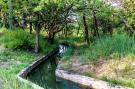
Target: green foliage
x,y
53,16
105,46
23,40
72,40
19,39
68,53
129,12
45,47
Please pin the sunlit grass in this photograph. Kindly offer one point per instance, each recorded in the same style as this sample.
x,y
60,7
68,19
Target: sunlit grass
x,y
105,46
11,63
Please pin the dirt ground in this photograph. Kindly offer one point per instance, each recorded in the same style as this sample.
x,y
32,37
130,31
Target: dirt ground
x,y
123,68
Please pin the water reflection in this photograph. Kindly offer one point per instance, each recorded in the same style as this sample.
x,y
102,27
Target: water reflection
x,y
45,77
62,49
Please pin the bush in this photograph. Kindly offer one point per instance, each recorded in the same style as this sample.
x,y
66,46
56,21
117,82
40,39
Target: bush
x,y
23,40
18,39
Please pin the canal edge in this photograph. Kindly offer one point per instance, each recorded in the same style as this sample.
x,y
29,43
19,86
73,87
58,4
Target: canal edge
x,y
85,82
24,72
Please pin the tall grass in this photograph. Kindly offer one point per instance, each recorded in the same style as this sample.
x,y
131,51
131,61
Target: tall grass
x,y
106,46
68,53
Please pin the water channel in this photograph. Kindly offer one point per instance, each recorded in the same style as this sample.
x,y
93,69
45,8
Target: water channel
x,y
44,75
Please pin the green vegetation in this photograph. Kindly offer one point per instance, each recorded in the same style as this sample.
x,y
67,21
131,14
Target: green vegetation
x,y
113,56
11,62
100,36
17,55
22,40
18,39
68,53
128,83
106,46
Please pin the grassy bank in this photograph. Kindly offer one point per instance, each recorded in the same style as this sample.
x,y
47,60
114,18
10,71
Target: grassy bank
x,y
106,47
11,62
16,52
111,58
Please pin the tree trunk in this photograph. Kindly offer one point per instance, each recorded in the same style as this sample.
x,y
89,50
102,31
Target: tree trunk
x,y
4,20
86,29
10,14
95,23
30,27
24,17
78,30
51,38
37,29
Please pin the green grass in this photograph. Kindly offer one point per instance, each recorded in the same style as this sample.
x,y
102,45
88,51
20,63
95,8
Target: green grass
x,y
68,53
127,83
15,55
15,58
119,53
106,46
11,62
119,48
19,39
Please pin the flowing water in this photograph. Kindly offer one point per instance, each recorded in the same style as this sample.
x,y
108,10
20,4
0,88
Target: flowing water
x,y
44,75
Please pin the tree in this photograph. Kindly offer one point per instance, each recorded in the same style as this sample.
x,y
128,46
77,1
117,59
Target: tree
x,y
53,16
86,29
37,29
129,12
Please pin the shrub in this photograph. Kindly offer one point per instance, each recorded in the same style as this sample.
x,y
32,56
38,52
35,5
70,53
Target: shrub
x,y
23,40
18,39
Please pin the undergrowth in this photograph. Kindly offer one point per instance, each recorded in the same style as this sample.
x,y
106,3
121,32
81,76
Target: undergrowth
x,y
19,39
